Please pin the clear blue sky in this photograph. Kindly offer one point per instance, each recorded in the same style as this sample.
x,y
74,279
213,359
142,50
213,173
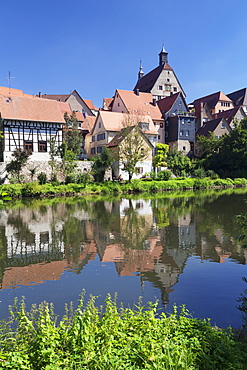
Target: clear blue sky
x,y
95,46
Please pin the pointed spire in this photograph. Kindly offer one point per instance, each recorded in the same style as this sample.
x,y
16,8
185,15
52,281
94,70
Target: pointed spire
x,y
163,56
140,73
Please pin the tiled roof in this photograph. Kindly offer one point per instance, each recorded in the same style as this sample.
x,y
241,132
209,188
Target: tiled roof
x,y
209,126
107,103
227,114
86,122
239,97
147,82
122,135
12,92
141,104
212,99
166,104
115,121
90,104
61,98
30,109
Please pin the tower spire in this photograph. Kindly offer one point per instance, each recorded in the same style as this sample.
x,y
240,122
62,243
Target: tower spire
x,y
140,73
163,56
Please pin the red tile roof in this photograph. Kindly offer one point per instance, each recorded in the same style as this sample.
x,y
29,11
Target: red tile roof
x,y
90,104
166,104
61,98
30,109
212,99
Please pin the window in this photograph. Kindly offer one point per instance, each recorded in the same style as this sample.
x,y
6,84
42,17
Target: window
x,y
182,121
92,150
93,138
223,124
184,148
42,146
168,80
175,89
99,149
155,138
101,137
144,125
160,87
140,170
166,134
99,124
28,145
186,133
161,125
181,133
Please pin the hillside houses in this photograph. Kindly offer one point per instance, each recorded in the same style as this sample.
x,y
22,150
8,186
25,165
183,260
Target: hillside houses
x,y
156,105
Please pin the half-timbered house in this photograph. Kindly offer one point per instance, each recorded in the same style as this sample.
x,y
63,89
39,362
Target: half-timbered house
x,y
29,123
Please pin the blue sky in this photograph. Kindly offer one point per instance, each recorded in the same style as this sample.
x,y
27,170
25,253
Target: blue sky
x,y
94,46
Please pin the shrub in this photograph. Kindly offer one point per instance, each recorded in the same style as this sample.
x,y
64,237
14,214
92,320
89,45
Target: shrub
x,y
164,175
42,178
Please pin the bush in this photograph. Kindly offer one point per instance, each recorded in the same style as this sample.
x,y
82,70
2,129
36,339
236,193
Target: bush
x,y
42,178
164,175
115,338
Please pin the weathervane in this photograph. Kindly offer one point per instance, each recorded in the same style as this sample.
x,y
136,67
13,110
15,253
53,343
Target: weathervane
x,y
9,78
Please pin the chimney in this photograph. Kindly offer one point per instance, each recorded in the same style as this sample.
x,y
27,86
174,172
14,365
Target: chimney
x,y
154,102
137,91
40,95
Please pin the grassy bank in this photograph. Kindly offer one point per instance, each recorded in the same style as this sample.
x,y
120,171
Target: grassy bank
x,y
92,337
136,186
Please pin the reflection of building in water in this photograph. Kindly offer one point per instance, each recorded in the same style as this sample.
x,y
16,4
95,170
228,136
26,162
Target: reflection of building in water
x,y
186,231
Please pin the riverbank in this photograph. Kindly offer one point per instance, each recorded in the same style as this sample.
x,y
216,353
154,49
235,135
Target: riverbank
x,y
92,337
33,189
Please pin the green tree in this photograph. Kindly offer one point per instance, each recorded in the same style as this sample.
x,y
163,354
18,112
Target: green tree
x,y
53,153
159,159
72,135
19,161
179,164
102,162
208,144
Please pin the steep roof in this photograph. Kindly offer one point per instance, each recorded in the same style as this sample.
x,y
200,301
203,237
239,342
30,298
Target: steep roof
x,y
115,121
212,99
122,135
167,103
12,92
228,114
209,126
86,122
141,104
107,103
90,104
30,109
61,98
239,97
147,82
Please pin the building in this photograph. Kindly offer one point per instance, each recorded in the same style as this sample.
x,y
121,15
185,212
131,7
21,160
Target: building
x,y
179,129
161,81
29,123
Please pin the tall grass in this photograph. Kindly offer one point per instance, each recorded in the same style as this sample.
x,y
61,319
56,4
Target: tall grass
x,y
91,337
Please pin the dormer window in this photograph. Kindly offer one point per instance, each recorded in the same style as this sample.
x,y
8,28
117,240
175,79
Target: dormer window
x,y
144,126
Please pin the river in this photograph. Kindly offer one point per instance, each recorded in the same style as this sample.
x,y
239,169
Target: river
x,y
178,248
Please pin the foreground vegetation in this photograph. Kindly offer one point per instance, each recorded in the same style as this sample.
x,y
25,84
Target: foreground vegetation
x,y
115,338
33,189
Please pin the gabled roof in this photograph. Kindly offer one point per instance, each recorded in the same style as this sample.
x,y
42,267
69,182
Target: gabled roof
x,y
210,126
166,104
12,92
30,109
239,97
147,82
115,121
228,114
86,122
90,104
107,103
141,104
212,99
61,98
122,135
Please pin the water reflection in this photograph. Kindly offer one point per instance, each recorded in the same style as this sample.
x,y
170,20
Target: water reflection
x,y
151,238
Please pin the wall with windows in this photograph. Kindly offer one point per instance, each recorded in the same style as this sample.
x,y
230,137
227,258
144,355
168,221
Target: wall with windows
x,y
166,84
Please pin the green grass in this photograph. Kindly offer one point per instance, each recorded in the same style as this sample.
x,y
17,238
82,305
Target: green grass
x,y
92,337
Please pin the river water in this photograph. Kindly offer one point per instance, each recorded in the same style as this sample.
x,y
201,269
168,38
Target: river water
x,y
179,248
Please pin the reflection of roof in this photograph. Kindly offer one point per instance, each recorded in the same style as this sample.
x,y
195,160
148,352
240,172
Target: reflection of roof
x,y
147,82
30,109
141,104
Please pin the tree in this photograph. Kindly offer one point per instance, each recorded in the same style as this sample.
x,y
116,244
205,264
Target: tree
x,y
102,162
132,149
178,163
208,144
18,163
159,159
53,154
72,135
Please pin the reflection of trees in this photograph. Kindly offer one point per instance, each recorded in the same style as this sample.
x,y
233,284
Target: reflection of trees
x,y
3,252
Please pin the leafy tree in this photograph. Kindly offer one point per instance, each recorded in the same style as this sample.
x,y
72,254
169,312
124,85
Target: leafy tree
x,y
208,144
68,164
132,149
72,136
179,164
159,159
53,155
19,161
102,162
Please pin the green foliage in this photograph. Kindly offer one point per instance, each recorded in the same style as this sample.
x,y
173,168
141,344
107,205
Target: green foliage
x,y
102,162
208,144
159,160
72,135
179,164
19,161
243,305
111,338
164,175
42,178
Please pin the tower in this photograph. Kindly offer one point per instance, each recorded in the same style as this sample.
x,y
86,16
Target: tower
x,y
163,56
